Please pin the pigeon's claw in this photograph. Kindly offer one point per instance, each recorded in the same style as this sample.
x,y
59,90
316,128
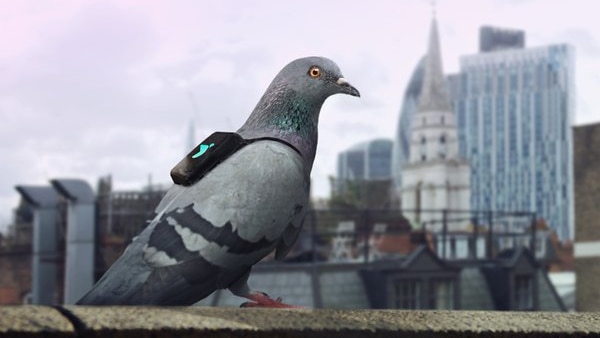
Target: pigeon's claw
x,y
249,304
261,299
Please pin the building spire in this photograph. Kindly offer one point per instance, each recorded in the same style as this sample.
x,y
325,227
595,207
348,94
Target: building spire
x,y
190,141
434,94
191,136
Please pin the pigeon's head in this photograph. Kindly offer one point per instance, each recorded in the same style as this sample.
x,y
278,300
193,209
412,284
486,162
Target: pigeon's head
x,y
289,109
314,78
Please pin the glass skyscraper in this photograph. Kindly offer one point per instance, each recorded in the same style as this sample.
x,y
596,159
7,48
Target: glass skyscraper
x,y
365,161
515,109
401,149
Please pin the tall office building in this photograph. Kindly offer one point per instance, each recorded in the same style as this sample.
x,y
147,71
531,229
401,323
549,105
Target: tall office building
x,y
365,161
494,38
515,108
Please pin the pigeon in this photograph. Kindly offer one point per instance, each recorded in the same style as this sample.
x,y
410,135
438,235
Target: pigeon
x,y
209,232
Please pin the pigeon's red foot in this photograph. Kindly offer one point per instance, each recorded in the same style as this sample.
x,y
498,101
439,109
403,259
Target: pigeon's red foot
x,y
261,299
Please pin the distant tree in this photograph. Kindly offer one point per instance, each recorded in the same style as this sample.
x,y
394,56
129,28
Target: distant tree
x,y
345,195
360,194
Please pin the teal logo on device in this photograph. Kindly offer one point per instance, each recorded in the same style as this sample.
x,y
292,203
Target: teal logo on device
x,y
203,149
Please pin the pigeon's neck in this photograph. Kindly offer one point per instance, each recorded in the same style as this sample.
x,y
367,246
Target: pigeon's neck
x,y
287,117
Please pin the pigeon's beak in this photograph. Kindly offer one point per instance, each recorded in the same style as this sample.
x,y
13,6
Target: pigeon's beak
x,y
346,87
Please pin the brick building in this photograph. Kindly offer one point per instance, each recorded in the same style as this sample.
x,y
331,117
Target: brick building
x,y
587,215
120,216
15,258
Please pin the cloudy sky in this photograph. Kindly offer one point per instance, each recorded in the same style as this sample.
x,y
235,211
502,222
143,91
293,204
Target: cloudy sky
x,y
90,88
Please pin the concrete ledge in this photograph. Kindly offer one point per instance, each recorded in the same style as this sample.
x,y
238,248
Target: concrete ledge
x,y
78,321
34,321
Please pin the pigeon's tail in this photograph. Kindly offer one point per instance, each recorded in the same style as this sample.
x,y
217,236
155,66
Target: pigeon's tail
x,y
124,279
130,283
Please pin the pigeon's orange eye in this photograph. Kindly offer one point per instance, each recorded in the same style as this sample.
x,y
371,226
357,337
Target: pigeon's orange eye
x,y
314,72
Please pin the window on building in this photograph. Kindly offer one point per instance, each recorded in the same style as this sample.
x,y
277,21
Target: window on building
x,y
523,296
407,294
443,147
423,149
441,294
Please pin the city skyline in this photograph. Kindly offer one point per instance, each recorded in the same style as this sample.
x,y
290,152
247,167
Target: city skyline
x,y
92,89
513,104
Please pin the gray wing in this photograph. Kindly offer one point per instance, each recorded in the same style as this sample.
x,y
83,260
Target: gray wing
x,y
208,235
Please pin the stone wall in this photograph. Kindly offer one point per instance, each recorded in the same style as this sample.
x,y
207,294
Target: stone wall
x,y
73,321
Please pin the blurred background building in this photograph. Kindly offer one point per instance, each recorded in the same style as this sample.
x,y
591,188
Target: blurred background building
x,y
364,176
118,217
434,177
401,147
494,39
370,160
587,232
515,109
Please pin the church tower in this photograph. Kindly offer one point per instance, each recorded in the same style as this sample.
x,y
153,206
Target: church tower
x,y
435,177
